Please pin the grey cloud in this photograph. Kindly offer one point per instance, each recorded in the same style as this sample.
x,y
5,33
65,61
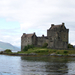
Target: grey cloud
x,y
40,14
10,31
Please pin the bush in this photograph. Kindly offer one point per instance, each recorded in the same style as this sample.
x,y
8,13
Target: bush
x,y
7,50
65,52
27,47
70,46
58,52
45,45
30,46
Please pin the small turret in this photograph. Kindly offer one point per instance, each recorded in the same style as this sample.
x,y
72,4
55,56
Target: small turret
x,y
24,33
52,25
63,24
42,35
34,33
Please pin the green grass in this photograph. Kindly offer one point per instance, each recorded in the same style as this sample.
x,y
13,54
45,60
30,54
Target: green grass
x,y
45,51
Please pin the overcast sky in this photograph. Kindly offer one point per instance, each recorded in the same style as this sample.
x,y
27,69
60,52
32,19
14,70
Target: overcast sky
x,y
29,16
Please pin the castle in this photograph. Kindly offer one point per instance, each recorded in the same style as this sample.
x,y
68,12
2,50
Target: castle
x,y
57,38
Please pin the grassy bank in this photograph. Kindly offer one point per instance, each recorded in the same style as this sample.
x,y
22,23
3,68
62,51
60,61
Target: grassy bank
x,y
45,51
40,52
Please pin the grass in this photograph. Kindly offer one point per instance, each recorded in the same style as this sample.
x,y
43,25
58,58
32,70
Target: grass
x,y
45,51
41,51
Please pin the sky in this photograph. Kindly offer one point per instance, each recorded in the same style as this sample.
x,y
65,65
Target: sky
x,y
29,16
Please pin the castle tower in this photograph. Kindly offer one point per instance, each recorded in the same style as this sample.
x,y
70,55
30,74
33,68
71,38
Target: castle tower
x,y
57,36
28,39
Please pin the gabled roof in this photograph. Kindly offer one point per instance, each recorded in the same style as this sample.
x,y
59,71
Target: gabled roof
x,y
27,35
57,27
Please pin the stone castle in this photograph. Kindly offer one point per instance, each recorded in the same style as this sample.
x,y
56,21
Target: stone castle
x,y
57,38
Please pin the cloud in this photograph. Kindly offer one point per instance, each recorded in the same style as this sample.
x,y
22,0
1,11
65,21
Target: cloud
x,y
15,40
12,36
36,11
38,15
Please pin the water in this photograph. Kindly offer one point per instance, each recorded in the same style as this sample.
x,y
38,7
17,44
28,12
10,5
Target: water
x,y
17,65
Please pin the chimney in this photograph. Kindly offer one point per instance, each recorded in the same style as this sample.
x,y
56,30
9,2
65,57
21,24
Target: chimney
x,y
42,35
52,25
24,33
34,33
63,24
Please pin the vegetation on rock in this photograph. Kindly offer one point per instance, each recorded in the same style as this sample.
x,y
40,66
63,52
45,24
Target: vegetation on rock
x,y
7,50
46,51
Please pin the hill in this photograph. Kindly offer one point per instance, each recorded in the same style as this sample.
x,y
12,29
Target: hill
x,y
4,45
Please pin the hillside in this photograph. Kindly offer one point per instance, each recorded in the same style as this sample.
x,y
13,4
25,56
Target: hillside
x,y
4,46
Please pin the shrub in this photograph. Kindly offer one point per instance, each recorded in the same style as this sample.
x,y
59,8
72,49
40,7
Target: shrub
x,y
65,52
45,45
70,46
58,52
27,47
7,50
30,46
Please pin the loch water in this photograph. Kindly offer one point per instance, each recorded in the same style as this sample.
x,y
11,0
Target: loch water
x,y
20,65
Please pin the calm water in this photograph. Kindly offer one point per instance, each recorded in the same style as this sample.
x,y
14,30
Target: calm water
x,y
17,65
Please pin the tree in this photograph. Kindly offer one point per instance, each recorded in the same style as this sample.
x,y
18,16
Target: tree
x,y
70,46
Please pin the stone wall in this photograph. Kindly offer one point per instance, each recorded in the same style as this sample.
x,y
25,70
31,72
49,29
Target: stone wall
x,y
25,41
57,38
41,41
34,40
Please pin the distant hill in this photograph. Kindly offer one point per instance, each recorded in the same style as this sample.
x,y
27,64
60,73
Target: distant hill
x,y
4,46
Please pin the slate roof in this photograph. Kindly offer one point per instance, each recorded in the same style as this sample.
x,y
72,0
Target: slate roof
x,y
27,35
56,27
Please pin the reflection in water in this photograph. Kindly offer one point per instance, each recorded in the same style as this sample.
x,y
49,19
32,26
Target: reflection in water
x,y
17,65
46,65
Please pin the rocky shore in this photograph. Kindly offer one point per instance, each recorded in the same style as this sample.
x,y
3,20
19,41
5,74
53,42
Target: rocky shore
x,y
35,54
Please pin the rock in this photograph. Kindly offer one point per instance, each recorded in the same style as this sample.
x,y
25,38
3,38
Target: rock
x,y
53,54
73,55
25,54
33,54
1,52
59,55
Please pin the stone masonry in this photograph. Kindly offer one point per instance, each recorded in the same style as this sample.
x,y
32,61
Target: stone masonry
x,y
57,38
